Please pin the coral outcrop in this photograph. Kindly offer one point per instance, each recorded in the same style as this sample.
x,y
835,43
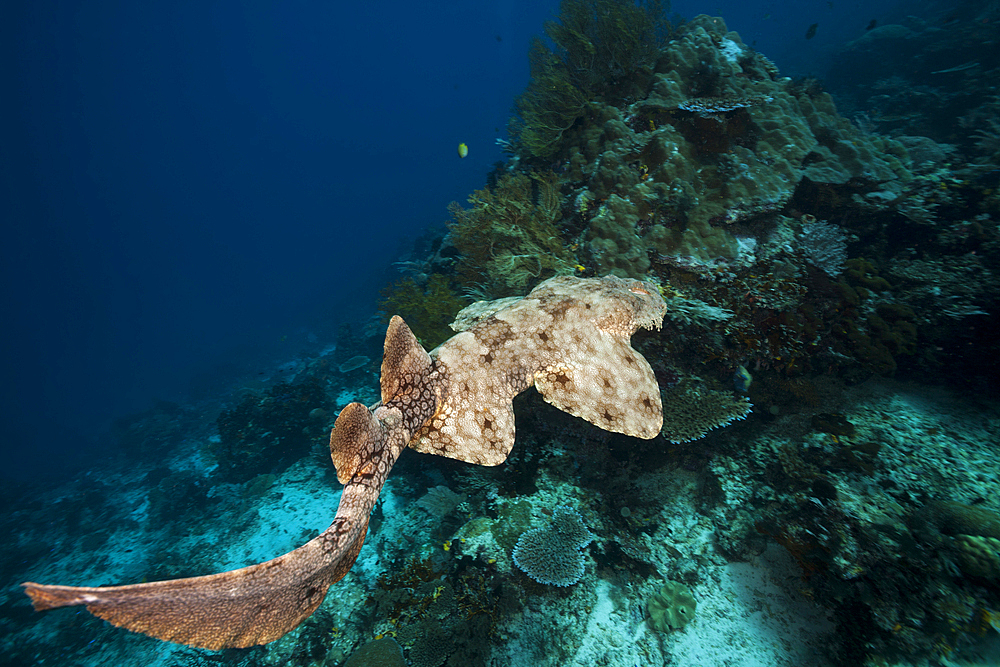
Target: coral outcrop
x,y
268,432
717,137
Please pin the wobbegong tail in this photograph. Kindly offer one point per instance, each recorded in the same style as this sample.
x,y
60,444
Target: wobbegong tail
x,y
260,603
236,609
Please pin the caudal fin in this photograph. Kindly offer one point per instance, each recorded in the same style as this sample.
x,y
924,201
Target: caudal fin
x,y
236,609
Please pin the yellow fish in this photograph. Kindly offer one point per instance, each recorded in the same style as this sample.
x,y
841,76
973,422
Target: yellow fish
x,y
463,150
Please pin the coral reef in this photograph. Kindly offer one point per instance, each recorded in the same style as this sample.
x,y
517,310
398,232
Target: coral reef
x,y
716,138
817,257
747,198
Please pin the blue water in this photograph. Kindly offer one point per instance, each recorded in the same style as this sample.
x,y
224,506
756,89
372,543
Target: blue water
x,y
190,186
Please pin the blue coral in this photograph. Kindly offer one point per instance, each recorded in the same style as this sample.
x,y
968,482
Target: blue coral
x,y
551,555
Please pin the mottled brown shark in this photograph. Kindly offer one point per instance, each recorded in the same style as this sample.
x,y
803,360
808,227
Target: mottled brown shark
x,y
569,338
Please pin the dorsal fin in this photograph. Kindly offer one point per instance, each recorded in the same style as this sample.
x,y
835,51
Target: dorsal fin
x,y
404,360
355,436
358,434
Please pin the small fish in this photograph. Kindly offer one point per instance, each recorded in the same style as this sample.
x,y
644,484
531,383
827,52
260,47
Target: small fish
x,y
742,379
958,68
871,25
811,32
463,150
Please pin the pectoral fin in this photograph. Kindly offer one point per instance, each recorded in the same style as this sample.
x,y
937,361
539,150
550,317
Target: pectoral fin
x,y
474,420
607,383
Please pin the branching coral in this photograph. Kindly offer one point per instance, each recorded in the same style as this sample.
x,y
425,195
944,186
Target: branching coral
x,y
603,41
599,45
548,107
508,240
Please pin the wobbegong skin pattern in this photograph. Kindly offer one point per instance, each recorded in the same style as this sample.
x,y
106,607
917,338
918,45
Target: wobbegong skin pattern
x,y
569,338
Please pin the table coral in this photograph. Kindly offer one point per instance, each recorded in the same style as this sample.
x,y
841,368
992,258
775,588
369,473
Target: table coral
x,y
691,410
551,555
